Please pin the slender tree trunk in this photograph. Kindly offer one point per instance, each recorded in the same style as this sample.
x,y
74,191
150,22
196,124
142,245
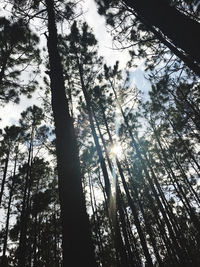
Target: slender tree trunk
x,y
94,134
96,230
77,244
132,238
144,165
131,204
132,263
35,240
5,242
8,219
156,214
112,228
4,176
148,226
136,220
24,213
191,156
117,234
179,28
184,144
179,193
55,232
150,232
168,166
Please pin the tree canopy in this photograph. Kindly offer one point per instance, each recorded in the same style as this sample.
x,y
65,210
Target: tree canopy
x,y
100,172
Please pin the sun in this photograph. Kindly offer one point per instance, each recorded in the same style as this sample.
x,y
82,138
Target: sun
x,y
116,150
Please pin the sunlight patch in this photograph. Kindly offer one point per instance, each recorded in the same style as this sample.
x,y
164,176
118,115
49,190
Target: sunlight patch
x,y
116,150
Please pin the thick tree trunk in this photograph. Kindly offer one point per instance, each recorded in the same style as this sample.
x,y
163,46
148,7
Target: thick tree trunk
x,y
186,59
77,243
183,32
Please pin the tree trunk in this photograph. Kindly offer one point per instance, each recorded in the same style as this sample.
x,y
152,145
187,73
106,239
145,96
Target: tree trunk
x,y
117,234
24,212
186,59
96,228
77,244
5,242
183,32
4,177
94,134
131,204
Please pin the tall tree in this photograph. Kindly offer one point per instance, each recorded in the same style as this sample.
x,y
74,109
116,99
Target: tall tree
x,y
75,224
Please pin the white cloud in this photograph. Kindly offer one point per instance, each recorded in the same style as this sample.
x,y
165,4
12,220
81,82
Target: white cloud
x,y
97,23
10,113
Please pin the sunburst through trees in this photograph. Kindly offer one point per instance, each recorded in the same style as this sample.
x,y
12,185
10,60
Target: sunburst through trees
x,y
103,172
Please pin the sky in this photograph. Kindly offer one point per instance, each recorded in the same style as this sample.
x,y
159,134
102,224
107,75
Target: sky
x,y
10,113
97,23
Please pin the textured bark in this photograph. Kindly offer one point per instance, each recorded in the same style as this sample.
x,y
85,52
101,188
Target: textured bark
x,y
77,243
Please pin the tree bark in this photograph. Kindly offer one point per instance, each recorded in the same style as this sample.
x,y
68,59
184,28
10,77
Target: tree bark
x,y
4,176
183,32
77,244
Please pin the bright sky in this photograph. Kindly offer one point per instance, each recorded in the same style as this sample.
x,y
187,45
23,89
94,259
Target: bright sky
x,y
97,23
11,112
